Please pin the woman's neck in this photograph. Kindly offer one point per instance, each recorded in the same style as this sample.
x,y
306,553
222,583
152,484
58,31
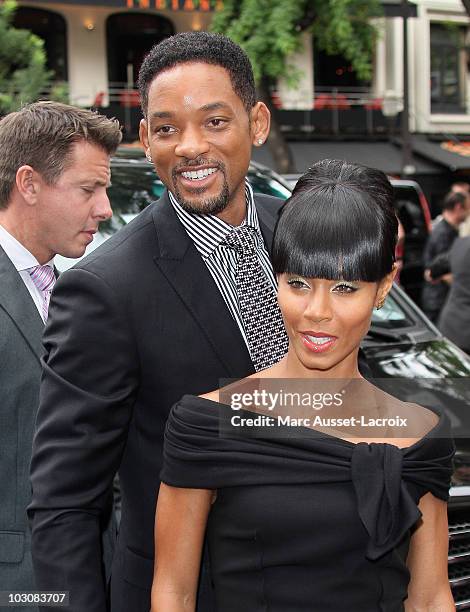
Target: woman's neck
x,y
291,367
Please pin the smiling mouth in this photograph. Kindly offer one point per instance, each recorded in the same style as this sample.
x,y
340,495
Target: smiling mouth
x,y
198,175
320,340
317,344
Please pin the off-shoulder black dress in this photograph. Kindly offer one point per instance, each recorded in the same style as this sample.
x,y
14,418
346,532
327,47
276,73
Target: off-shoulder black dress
x,y
306,523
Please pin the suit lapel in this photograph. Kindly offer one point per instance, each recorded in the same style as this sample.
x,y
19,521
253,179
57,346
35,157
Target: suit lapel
x,y
267,222
183,267
18,303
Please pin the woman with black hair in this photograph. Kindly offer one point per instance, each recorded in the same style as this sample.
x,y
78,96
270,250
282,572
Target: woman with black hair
x,y
304,509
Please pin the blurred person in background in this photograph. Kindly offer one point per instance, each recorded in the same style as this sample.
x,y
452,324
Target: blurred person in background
x,y
455,210
461,187
54,171
454,321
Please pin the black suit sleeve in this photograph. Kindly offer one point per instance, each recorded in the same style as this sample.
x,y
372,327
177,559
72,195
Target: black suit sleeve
x,y
439,242
440,265
88,388
430,251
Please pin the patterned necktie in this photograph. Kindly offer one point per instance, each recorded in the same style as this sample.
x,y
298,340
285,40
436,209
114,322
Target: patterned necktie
x,y
262,320
44,279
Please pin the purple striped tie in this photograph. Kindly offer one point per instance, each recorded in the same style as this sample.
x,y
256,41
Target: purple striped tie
x,y
44,279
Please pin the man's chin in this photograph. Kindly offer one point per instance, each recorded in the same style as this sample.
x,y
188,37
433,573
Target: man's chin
x,y
204,205
75,253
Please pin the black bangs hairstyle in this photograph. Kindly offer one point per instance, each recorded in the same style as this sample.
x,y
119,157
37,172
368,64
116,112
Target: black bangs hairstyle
x,y
339,224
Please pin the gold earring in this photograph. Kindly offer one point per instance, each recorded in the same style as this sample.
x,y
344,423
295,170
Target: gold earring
x,y
380,304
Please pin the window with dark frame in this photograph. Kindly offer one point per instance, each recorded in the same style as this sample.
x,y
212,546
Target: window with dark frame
x,y
448,68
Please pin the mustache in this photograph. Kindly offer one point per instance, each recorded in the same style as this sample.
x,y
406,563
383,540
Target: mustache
x,y
199,161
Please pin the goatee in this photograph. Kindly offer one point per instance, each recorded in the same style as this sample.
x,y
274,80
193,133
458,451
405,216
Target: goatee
x,y
209,206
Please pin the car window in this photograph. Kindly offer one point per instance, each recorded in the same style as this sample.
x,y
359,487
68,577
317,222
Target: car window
x,y
133,187
391,315
410,212
268,186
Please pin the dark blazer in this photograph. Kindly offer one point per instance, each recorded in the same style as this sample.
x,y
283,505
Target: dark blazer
x,y
21,329
131,328
454,321
439,241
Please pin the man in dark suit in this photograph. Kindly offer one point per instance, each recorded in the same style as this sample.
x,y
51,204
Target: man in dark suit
x,y
49,154
454,211
154,313
454,321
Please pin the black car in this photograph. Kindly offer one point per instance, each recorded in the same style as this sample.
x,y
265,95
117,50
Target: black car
x,y
406,353
410,358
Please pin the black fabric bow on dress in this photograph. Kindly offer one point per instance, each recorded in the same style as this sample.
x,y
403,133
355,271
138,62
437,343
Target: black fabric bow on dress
x,y
388,481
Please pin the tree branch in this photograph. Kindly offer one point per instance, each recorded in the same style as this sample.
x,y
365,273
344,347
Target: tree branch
x,y
309,17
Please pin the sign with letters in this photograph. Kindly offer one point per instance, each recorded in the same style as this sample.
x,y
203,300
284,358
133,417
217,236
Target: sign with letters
x,y
201,6
177,5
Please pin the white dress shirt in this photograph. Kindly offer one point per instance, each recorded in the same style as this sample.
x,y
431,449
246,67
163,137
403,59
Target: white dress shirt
x,y
208,233
22,259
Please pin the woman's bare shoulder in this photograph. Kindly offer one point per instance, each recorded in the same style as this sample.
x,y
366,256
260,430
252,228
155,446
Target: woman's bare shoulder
x,y
421,417
411,419
213,396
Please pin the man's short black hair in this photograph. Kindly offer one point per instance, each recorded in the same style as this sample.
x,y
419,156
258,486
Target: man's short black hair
x,y
452,199
204,47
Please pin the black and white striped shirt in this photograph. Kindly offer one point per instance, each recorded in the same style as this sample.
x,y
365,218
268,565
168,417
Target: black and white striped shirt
x,y
208,232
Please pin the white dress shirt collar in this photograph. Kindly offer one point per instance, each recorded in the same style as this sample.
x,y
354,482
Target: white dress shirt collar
x,y
19,255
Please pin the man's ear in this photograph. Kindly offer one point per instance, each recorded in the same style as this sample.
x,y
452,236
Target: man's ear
x,y
28,183
143,134
260,123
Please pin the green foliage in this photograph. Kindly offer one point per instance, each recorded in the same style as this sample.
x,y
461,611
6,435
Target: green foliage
x,y
60,92
344,27
269,31
23,73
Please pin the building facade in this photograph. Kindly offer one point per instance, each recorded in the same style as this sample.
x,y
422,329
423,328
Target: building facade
x,y
98,46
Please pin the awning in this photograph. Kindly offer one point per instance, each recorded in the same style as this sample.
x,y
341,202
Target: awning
x,y
451,155
391,8
171,5
382,155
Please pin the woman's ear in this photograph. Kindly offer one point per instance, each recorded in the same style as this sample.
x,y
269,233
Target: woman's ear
x,y
384,287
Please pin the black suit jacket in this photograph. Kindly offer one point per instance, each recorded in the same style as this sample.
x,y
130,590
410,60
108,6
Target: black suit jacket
x,y
454,321
132,328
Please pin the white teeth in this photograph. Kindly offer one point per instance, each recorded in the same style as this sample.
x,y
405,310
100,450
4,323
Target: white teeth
x,y
317,340
197,175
